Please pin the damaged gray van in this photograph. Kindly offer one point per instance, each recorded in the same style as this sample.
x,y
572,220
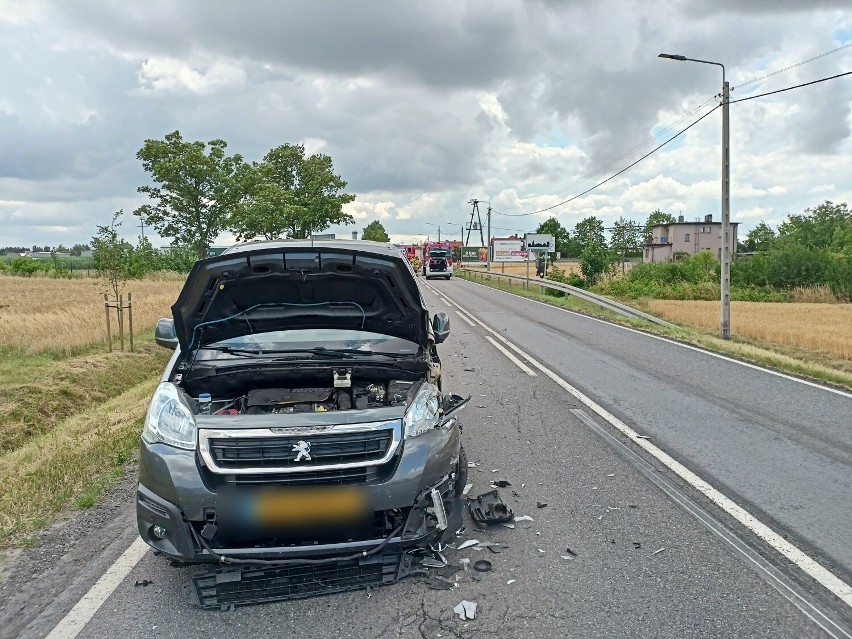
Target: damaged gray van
x,y
300,436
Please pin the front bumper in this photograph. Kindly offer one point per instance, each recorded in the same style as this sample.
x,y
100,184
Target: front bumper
x,y
174,505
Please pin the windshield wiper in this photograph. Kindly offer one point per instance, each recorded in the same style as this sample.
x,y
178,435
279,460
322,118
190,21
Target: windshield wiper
x,y
346,353
230,350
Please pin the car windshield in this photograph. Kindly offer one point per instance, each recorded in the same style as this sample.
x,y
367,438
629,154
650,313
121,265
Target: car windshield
x,y
438,253
309,340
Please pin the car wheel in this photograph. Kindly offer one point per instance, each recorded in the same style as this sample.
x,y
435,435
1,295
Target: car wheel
x,y
461,472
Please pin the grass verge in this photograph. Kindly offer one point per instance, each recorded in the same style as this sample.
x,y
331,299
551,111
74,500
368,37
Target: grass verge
x,y
38,392
797,362
75,461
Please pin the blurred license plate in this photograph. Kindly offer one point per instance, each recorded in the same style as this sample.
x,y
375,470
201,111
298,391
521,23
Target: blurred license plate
x,y
310,506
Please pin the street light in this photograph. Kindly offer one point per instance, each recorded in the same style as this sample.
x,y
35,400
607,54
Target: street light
x,y
725,257
439,229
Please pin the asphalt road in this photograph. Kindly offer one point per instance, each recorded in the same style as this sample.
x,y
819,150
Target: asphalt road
x,y
779,448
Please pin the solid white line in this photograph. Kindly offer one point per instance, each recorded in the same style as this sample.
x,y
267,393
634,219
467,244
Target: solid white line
x,y
518,362
85,609
465,318
828,579
676,343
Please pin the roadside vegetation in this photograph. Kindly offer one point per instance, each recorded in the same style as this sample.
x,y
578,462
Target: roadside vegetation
x,y
71,411
786,349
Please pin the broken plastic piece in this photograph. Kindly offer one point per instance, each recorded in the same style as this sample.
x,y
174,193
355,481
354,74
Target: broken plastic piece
x,y
483,565
448,571
501,483
637,545
611,475
466,610
464,562
495,548
431,562
466,489
570,552
659,550
490,509
643,437
541,504
436,583
510,582
541,551
524,518
468,544
440,513
508,525
143,583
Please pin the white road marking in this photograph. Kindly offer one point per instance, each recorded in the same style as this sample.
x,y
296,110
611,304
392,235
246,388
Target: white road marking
x,y
514,359
85,609
836,391
465,318
828,579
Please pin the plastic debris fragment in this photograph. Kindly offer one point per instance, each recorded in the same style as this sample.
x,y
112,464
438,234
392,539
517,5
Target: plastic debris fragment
x,y
488,508
541,504
658,551
482,565
465,562
637,545
468,544
510,582
466,610
466,489
524,518
570,552
501,483
436,583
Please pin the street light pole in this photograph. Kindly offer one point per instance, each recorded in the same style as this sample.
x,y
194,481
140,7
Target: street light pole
x,y
725,253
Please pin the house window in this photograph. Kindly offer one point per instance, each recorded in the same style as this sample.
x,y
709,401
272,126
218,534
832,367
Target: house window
x,y
705,229
686,237
664,239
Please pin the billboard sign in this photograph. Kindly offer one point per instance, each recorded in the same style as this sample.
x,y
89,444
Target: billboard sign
x,y
478,254
540,242
509,251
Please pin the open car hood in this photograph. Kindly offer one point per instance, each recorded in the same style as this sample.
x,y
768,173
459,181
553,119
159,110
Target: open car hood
x,y
282,285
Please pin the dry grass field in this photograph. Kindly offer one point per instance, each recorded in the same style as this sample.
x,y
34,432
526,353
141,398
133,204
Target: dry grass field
x,y
520,268
62,316
819,328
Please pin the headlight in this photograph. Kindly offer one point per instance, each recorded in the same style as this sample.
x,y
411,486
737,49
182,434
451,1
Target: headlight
x,y
169,420
423,414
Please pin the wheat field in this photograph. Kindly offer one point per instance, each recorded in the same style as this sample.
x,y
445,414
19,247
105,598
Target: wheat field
x,y
820,328
39,314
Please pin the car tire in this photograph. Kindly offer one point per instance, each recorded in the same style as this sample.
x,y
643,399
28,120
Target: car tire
x,y
461,472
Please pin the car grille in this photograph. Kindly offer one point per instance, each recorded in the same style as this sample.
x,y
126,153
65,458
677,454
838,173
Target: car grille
x,y
250,585
335,476
234,453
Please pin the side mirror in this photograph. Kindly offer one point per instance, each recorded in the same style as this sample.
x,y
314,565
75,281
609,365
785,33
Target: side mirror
x,y
165,335
441,327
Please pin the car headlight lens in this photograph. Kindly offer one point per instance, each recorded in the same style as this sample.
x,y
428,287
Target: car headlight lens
x,y
423,413
169,419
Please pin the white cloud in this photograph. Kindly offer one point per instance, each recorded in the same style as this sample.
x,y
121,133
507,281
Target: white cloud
x,y
168,75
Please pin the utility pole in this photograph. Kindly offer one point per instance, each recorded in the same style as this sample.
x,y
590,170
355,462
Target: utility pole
x,y
488,264
142,226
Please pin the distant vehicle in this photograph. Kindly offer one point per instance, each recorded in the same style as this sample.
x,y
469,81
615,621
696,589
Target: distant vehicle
x,y
437,260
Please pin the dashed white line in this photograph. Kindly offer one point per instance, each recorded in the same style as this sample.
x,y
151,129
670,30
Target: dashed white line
x,y
85,609
828,579
514,359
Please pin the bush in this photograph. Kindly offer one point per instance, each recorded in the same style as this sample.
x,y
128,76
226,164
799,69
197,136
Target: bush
x,y
25,266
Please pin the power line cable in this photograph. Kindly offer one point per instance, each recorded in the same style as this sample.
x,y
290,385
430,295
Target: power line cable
x,y
629,166
798,86
793,66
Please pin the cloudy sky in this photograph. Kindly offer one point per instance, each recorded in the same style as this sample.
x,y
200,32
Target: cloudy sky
x,y
425,105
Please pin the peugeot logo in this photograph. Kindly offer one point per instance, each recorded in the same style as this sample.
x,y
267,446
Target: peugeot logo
x,y
303,450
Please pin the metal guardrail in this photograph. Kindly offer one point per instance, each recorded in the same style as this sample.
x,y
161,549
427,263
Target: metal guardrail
x,y
594,298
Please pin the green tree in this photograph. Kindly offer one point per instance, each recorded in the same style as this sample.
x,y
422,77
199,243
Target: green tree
x,y
196,189
111,255
290,194
78,249
142,259
561,236
625,238
656,218
589,232
595,260
823,227
760,238
375,231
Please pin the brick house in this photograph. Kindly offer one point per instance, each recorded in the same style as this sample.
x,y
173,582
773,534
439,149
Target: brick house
x,y
670,241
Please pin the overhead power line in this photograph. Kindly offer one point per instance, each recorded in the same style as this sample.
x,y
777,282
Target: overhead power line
x,y
793,66
798,86
614,175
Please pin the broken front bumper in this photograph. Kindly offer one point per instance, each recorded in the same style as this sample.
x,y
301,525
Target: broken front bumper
x,y
179,512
